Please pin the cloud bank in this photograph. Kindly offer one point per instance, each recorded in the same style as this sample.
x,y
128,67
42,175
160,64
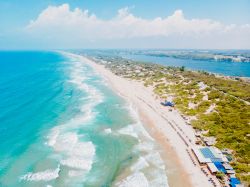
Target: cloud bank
x,y
79,28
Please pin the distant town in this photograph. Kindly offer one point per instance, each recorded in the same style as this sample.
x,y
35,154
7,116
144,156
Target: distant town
x,y
213,55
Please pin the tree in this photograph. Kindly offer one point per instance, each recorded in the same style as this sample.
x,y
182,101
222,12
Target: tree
x,y
182,68
220,175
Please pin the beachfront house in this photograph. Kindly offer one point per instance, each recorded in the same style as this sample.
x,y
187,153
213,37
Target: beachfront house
x,y
209,155
216,162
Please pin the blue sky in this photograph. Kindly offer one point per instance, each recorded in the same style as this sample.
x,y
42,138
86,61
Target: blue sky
x,y
15,16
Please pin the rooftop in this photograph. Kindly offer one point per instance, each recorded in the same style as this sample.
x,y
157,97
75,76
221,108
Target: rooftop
x,y
209,155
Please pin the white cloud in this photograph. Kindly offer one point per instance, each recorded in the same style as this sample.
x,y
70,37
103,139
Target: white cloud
x,y
62,23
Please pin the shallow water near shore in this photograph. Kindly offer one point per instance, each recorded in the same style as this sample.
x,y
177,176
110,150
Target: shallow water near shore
x,y
61,125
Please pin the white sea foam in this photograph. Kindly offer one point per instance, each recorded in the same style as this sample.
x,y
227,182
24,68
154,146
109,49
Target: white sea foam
x,y
134,113
155,159
150,157
145,146
153,169
75,153
79,75
52,138
81,162
46,175
78,163
74,173
159,180
140,164
108,131
94,96
137,179
128,130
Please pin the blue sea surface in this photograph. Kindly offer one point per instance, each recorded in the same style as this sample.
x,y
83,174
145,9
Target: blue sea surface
x,y
61,124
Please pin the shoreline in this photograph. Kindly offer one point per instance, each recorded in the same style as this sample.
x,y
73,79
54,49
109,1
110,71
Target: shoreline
x,y
174,150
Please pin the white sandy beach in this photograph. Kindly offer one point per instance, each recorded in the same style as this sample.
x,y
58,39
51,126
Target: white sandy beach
x,y
169,129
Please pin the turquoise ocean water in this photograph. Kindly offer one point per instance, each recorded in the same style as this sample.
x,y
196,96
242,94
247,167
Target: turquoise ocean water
x,y
61,125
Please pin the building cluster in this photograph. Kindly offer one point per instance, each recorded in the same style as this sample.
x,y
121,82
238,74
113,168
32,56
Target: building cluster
x,y
217,163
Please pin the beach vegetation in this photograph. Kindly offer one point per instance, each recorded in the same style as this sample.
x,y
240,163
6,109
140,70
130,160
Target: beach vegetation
x,y
221,107
220,175
182,68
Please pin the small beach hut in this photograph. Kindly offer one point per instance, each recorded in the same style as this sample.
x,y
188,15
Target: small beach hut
x,y
167,103
227,166
231,172
212,168
234,182
220,167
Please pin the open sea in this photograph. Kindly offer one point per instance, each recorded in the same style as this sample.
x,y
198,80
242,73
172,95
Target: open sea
x,y
61,125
